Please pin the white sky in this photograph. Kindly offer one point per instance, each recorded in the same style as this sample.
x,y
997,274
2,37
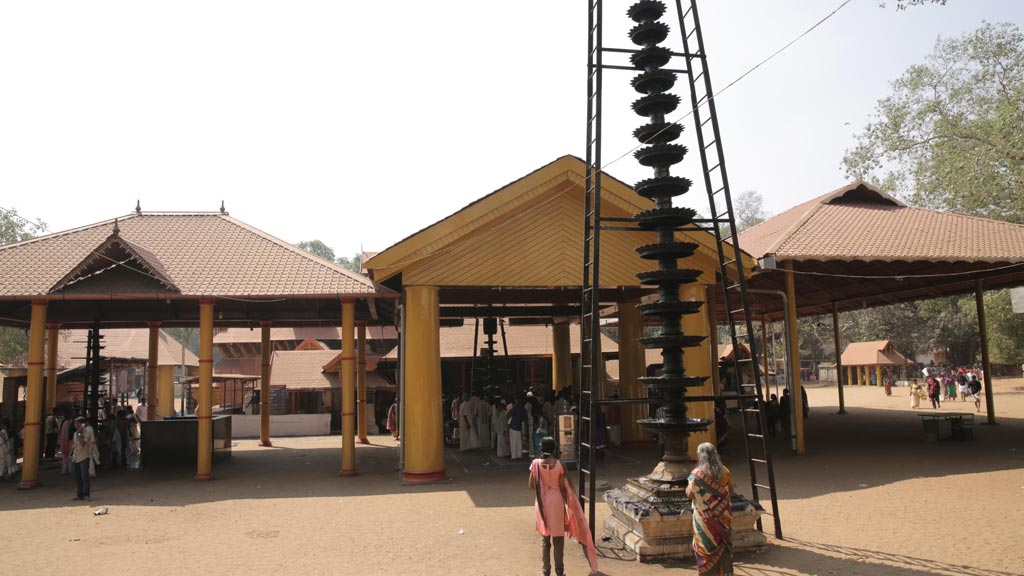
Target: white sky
x,y
359,123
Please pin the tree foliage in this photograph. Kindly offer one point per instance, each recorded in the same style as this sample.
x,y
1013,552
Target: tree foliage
x,y
749,209
317,248
903,4
355,263
949,136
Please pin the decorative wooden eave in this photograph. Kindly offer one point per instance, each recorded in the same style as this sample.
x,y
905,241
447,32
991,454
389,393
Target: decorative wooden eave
x,y
113,252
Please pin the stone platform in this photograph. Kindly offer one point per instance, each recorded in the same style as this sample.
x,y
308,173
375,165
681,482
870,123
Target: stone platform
x,y
654,521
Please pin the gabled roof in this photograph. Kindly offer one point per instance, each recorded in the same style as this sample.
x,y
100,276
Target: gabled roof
x,y
191,254
319,333
529,234
304,370
860,222
879,352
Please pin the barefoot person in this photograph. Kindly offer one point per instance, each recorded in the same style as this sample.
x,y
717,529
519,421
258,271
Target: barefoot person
x,y
83,448
711,490
554,494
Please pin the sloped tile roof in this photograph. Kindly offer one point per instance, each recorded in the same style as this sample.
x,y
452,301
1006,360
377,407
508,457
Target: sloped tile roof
x,y
321,333
304,370
872,353
123,344
202,254
860,222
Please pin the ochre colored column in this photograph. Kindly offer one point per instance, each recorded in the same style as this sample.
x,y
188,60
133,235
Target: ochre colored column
x,y
423,434
165,391
561,357
348,388
51,366
697,362
152,371
632,364
878,374
361,380
204,411
34,397
794,354
266,347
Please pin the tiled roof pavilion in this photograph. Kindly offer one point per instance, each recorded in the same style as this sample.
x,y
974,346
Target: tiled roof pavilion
x,y
157,266
857,246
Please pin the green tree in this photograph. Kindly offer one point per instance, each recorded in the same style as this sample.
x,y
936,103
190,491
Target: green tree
x,y
1008,346
317,248
749,209
14,228
902,4
949,136
355,263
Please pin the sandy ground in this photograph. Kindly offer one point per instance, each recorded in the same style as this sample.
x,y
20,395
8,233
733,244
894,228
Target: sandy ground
x,y
870,497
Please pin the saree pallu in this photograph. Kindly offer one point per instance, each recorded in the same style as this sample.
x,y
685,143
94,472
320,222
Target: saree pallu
x,y
712,522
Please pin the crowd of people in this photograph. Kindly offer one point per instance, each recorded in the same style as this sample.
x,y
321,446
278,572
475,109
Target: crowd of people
x,y
945,384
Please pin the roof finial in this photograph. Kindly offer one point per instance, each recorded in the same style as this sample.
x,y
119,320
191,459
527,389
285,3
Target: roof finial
x,y
138,207
222,210
117,229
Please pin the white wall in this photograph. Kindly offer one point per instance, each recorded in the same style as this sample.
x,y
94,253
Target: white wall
x,y
245,426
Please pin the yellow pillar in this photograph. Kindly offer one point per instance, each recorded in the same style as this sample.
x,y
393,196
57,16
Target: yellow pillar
x,y
34,397
794,354
697,362
423,434
165,391
265,349
849,376
561,356
152,371
361,380
204,411
878,374
348,391
51,366
632,364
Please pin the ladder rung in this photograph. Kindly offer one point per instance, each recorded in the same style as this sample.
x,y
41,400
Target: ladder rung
x,y
764,487
752,435
759,461
754,410
710,144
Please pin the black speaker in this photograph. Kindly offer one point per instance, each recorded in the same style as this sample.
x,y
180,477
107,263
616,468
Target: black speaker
x,y
490,326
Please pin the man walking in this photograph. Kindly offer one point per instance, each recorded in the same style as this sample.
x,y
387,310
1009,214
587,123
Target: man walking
x,y
83,447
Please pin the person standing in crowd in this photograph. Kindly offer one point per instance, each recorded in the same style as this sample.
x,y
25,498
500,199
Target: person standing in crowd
x,y
66,434
467,420
501,428
887,381
771,415
557,510
516,420
392,424
785,407
482,422
82,452
8,459
52,429
710,488
974,386
916,394
934,389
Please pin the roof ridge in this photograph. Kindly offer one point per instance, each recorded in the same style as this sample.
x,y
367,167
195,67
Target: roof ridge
x,y
312,257
962,215
66,232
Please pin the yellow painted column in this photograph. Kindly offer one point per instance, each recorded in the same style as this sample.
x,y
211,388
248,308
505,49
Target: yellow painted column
x,y
204,410
849,376
878,374
632,364
697,362
348,391
794,354
561,356
423,434
34,397
361,380
152,371
51,366
266,347
165,391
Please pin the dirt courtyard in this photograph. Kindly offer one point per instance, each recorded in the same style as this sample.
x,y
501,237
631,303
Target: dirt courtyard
x,y
870,497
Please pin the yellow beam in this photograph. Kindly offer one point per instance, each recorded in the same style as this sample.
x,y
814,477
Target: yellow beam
x,y
34,397
794,355
51,366
423,432
632,364
697,362
152,371
204,411
265,350
361,380
348,394
561,357
878,375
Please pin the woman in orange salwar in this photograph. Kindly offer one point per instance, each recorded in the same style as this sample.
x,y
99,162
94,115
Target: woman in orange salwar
x,y
558,511
711,490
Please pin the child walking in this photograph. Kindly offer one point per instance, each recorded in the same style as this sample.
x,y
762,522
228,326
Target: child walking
x,y
558,511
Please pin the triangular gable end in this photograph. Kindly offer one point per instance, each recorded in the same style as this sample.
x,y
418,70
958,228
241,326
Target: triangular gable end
x,y
310,344
118,255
